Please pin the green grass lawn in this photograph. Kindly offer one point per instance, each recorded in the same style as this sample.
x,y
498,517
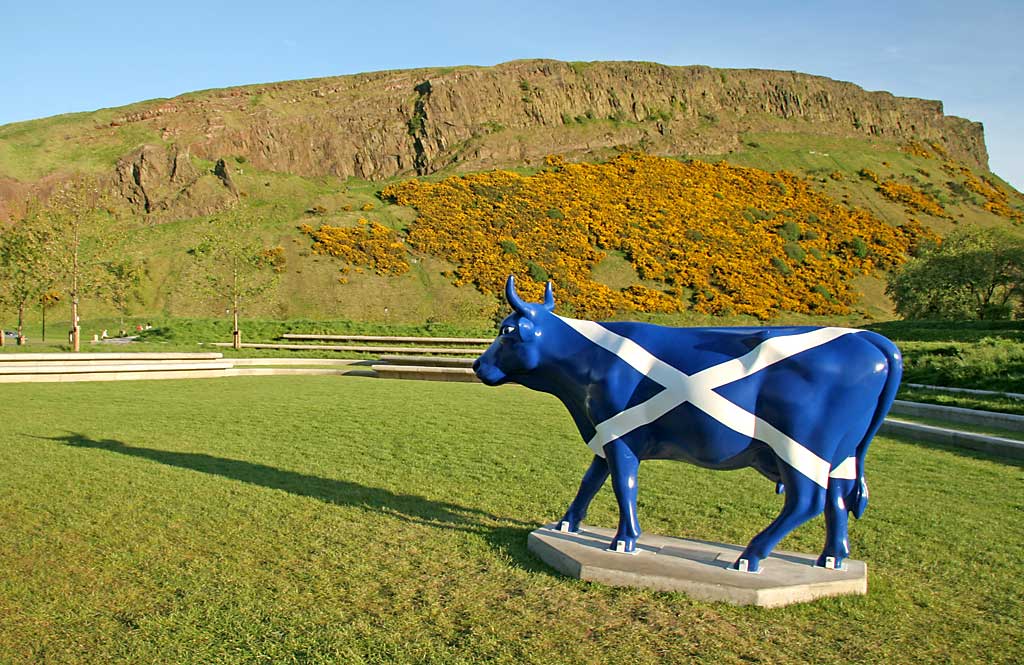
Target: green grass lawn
x,y
329,519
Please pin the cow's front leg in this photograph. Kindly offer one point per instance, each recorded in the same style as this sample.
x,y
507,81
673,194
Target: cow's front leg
x,y
805,500
592,481
623,465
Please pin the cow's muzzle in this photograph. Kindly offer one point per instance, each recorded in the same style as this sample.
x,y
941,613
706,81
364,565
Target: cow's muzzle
x,y
489,374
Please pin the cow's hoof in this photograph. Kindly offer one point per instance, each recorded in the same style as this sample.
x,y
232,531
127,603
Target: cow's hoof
x,y
831,562
568,525
743,565
623,546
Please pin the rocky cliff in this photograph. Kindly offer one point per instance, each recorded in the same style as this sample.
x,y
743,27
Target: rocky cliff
x,y
411,122
416,122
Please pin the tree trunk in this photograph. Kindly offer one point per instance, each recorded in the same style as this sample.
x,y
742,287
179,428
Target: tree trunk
x,y
75,330
21,323
236,334
44,322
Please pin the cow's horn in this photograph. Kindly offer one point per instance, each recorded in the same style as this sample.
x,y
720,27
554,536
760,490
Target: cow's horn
x,y
549,297
518,304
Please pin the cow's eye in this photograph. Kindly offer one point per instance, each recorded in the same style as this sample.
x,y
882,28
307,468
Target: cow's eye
x,y
508,330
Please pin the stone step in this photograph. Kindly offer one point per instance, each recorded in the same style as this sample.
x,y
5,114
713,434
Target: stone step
x,y
966,391
325,362
427,361
123,375
955,414
419,373
99,368
64,357
291,371
972,440
355,349
90,365
397,340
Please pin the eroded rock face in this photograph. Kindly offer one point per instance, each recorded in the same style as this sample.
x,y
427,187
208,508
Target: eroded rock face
x,y
420,121
151,177
162,183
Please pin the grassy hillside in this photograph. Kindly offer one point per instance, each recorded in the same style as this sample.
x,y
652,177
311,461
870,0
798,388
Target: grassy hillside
x,y
322,286
641,265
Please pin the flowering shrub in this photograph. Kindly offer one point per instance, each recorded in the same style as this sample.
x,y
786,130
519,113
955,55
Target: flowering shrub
x,y
369,244
725,234
917,149
996,198
275,258
868,174
913,199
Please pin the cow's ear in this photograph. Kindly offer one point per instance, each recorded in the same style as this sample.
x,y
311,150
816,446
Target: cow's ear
x,y
549,297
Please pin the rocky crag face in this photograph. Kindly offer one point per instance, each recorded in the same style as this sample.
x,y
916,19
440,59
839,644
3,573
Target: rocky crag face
x,y
416,122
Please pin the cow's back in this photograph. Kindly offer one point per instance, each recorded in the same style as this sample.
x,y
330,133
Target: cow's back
x,y
826,397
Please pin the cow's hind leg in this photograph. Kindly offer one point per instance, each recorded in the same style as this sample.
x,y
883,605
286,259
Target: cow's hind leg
x,y
837,547
805,499
592,481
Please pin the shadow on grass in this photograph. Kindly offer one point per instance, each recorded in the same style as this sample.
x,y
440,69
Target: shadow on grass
x,y
406,507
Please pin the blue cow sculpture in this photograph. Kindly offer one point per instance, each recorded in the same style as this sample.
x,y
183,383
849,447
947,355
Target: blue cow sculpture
x,y
798,404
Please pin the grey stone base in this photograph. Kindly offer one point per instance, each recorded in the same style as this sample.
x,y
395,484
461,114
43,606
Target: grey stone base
x,y
697,568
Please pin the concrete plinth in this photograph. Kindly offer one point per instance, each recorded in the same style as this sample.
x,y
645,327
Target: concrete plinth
x,y
697,568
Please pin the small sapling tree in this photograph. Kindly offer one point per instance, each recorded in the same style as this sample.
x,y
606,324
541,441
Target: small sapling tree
x,y
234,266
24,272
84,239
121,290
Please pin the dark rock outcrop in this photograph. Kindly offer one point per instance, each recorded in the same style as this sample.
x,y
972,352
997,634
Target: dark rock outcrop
x,y
222,171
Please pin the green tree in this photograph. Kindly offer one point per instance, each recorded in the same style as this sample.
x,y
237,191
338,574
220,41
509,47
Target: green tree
x,y
84,239
233,265
121,290
976,273
24,271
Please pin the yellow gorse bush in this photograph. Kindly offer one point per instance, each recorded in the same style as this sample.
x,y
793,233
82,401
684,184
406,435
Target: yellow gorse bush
x,y
369,244
913,199
917,149
997,200
725,238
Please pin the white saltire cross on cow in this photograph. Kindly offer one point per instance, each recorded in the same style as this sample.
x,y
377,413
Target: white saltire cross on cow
x,y
799,404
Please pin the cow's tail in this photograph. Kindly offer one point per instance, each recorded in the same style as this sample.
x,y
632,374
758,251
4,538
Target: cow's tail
x,y
857,500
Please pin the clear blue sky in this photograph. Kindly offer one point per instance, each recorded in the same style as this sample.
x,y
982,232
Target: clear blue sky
x,y
63,56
